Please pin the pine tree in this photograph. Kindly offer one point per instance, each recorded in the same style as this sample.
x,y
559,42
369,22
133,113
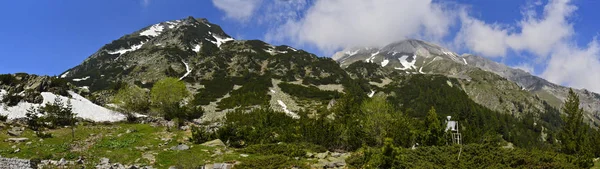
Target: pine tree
x,y
572,135
435,131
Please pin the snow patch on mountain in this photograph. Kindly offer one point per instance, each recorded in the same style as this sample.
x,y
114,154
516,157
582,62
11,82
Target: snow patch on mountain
x,y
370,59
464,60
288,112
221,40
64,75
123,51
81,106
407,64
371,94
350,53
153,31
196,48
384,62
187,69
82,79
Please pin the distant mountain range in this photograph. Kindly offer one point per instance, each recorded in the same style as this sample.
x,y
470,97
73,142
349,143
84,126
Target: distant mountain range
x,y
225,74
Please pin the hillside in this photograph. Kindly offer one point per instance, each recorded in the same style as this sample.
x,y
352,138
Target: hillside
x,y
519,91
183,93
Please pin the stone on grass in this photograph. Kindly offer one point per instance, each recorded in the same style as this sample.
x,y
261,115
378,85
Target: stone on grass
x,y
16,140
214,143
180,147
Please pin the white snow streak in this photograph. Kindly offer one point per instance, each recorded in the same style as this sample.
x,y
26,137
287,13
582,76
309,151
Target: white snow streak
x,y
187,68
123,51
421,70
288,112
406,64
220,40
371,94
154,30
370,59
196,48
465,61
64,75
82,79
350,53
81,106
385,62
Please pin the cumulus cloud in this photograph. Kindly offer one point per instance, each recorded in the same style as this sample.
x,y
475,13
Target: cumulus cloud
x,y
548,37
525,67
538,35
239,10
331,25
576,67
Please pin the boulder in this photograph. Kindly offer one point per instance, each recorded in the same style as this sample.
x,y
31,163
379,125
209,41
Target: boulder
x,y
180,147
16,131
214,143
322,155
16,140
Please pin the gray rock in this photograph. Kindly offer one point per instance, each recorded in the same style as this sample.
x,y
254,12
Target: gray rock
x,y
321,155
336,154
340,164
309,155
222,166
15,131
180,147
17,140
104,161
214,143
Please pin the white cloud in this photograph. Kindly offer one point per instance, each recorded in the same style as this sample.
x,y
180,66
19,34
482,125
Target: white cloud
x,y
334,24
575,67
536,35
240,10
549,37
525,67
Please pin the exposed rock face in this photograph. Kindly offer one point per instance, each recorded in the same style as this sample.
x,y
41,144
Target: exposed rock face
x,y
15,163
503,89
552,93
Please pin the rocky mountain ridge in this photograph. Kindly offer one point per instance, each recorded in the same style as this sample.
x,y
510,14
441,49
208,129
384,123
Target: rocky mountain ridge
x,y
419,57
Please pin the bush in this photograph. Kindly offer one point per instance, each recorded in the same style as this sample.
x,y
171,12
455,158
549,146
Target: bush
x,y
51,115
132,99
3,118
12,99
7,79
472,156
201,135
310,92
289,150
270,162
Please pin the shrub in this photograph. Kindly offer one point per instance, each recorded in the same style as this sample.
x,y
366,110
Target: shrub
x,y
269,162
3,118
132,99
201,135
12,99
289,150
310,92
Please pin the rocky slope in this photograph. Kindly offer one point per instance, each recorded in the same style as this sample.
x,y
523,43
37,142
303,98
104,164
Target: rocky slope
x,y
221,72
481,78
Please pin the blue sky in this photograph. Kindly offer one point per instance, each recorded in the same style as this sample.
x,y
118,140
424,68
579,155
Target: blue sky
x,y
48,37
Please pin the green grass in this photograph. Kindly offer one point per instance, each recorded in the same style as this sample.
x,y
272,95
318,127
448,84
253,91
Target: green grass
x,y
112,141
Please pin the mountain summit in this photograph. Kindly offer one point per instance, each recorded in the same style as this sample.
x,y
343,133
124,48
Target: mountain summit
x,y
419,57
